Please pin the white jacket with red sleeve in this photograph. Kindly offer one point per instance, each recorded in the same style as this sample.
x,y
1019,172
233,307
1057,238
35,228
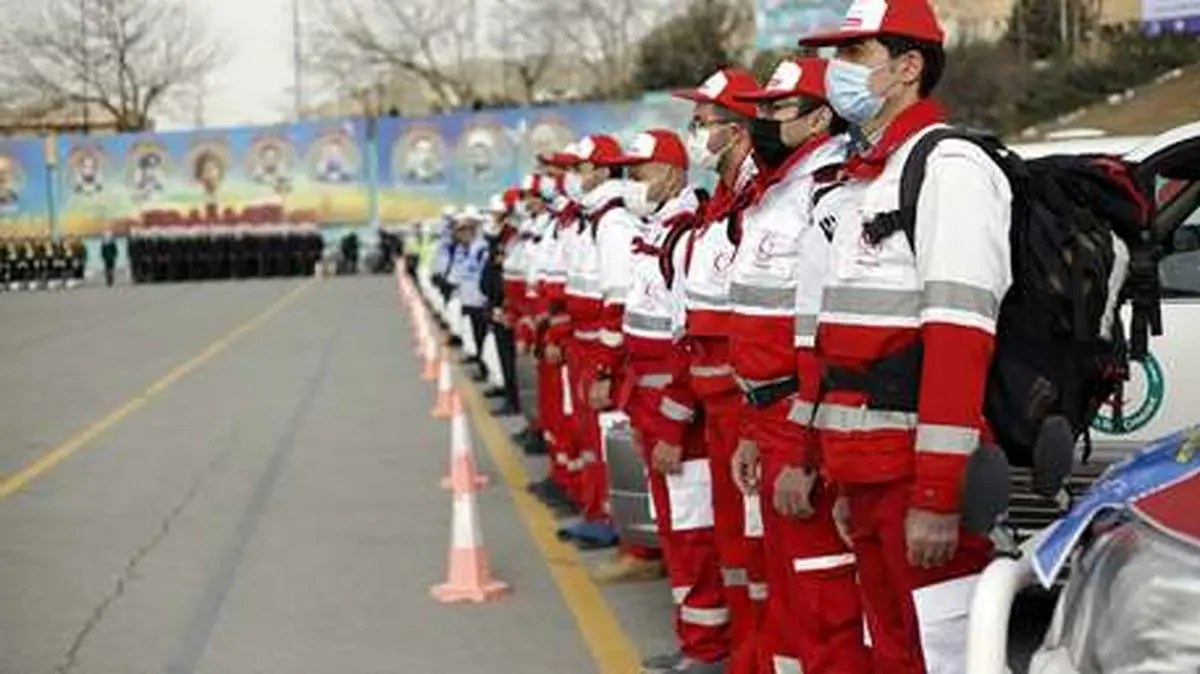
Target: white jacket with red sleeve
x,y
881,299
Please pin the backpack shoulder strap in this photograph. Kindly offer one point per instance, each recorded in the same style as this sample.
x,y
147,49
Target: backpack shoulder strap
x,y
904,218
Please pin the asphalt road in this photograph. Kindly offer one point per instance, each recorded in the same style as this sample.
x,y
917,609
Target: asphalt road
x,y
242,478
274,508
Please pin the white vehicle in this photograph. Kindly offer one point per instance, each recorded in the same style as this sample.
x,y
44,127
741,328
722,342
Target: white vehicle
x,y
1161,395
1132,604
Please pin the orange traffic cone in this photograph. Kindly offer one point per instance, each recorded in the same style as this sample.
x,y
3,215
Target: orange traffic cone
x,y
463,474
469,577
431,360
444,408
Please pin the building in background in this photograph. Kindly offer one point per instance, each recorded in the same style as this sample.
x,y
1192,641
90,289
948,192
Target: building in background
x,y
44,119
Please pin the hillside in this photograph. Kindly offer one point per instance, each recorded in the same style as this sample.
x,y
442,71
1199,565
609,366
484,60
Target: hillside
x,y
1172,100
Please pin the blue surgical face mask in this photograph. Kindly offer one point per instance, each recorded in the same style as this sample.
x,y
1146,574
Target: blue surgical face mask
x,y
573,185
849,88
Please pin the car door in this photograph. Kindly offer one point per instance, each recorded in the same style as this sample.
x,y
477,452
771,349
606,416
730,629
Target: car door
x,y
1163,393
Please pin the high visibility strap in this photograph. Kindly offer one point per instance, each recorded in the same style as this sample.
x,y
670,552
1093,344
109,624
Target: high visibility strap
x,y
877,302
806,330
655,381
708,372
939,439
704,617
640,321
734,577
703,301
822,563
849,419
680,594
762,297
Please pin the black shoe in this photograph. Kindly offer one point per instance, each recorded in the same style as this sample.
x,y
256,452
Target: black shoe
x,y
455,342
540,488
564,509
536,447
494,392
480,377
524,436
508,410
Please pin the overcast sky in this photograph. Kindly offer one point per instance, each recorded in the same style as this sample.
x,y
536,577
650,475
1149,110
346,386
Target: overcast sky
x,y
254,86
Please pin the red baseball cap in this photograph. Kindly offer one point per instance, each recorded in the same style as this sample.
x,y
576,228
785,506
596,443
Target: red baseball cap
x,y
872,18
722,88
511,196
566,158
804,76
658,146
598,149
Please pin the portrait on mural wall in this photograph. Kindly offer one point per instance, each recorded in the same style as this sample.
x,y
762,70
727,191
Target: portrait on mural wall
x,y
481,149
147,166
86,170
12,179
209,166
333,157
549,134
269,163
419,156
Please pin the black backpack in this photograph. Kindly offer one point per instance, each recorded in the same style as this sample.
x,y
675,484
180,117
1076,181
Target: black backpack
x,y
1052,370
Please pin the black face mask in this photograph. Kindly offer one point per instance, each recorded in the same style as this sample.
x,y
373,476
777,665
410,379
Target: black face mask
x,y
766,135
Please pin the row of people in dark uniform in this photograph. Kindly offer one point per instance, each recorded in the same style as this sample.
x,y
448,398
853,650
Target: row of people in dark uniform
x,y
32,263
158,255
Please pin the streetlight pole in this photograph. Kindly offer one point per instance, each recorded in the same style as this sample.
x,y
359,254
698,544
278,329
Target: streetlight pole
x,y
87,67
297,62
372,155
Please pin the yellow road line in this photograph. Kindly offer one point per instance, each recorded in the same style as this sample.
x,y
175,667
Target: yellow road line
x,y
17,481
609,644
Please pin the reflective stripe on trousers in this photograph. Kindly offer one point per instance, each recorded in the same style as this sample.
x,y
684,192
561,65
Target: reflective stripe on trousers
x,y
704,617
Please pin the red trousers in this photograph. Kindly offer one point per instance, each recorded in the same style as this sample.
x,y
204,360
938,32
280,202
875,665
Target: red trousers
x,y
585,430
814,617
917,617
556,427
690,555
742,559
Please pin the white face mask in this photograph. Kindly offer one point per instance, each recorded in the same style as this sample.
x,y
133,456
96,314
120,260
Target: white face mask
x,y
698,152
573,186
637,200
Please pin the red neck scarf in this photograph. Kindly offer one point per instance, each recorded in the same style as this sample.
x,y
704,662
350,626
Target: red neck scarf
x,y
781,171
570,215
921,115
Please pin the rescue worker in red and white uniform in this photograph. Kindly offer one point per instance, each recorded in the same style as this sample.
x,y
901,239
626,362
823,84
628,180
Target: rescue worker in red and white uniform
x,y
544,280
907,338
597,281
649,363
814,620
515,251
719,141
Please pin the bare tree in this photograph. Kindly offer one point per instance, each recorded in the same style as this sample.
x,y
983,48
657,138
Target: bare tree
x,y
604,35
526,37
429,40
125,56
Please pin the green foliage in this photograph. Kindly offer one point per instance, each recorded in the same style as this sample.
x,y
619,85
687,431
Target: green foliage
x,y
992,86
